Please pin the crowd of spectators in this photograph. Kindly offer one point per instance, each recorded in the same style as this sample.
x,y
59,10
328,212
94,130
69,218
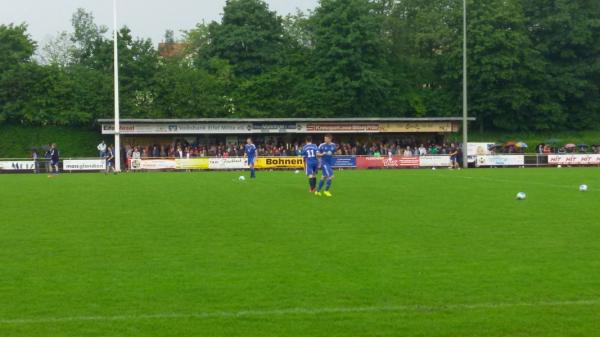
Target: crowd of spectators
x,y
183,149
572,149
546,149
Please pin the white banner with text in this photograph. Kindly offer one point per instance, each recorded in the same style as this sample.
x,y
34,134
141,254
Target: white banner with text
x,y
574,159
17,165
501,160
84,165
435,161
157,164
227,163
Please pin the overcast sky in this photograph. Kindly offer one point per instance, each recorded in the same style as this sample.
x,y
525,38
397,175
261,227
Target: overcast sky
x,y
146,18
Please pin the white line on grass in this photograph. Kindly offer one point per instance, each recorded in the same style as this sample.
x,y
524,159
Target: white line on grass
x,y
297,311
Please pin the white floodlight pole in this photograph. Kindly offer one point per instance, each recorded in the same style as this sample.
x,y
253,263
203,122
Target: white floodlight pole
x,y
465,88
117,149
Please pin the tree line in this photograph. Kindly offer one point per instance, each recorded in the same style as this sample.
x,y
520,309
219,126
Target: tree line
x,y
533,65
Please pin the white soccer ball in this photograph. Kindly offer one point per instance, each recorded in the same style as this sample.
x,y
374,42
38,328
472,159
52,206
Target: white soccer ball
x,y
583,188
521,196
297,172
433,168
559,166
242,178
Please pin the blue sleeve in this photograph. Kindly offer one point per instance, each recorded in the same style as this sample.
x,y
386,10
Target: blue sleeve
x,y
321,148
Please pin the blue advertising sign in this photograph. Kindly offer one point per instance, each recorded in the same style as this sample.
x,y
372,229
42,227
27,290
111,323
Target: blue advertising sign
x,y
344,161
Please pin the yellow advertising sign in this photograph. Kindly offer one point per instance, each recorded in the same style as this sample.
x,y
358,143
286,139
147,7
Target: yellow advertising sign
x,y
416,127
279,162
192,164
341,127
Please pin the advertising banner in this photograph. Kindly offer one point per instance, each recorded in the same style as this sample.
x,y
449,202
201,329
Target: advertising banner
x,y
416,127
500,160
157,164
17,165
339,127
387,162
276,128
135,164
435,161
227,163
344,161
192,164
574,159
409,162
279,162
237,128
84,165
403,127
179,128
480,149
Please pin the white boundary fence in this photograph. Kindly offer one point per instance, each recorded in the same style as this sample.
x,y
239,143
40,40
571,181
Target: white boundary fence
x,y
349,162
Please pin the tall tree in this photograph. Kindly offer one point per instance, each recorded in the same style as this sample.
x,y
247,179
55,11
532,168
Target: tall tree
x,y
421,35
16,45
88,37
91,93
197,42
59,50
138,62
348,57
567,34
185,91
249,37
533,65
297,29
16,50
504,68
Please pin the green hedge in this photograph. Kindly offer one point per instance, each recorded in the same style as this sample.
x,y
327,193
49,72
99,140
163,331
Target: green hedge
x,y
17,141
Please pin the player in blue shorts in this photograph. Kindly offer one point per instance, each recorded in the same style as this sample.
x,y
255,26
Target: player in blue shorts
x,y
311,163
326,152
250,153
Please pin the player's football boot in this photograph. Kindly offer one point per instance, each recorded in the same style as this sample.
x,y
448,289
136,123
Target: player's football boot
x,y
318,194
328,194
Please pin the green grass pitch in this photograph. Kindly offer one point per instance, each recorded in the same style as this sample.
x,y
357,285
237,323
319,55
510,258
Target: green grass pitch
x,y
393,253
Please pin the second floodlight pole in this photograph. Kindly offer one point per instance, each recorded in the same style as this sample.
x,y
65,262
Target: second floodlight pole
x,y
117,149
465,88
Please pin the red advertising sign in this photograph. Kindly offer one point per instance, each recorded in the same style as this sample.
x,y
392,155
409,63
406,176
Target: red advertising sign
x,y
387,162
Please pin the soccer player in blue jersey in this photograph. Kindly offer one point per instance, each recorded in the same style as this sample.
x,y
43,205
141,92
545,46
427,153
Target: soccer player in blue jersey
x,y
326,152
311,163
250,153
